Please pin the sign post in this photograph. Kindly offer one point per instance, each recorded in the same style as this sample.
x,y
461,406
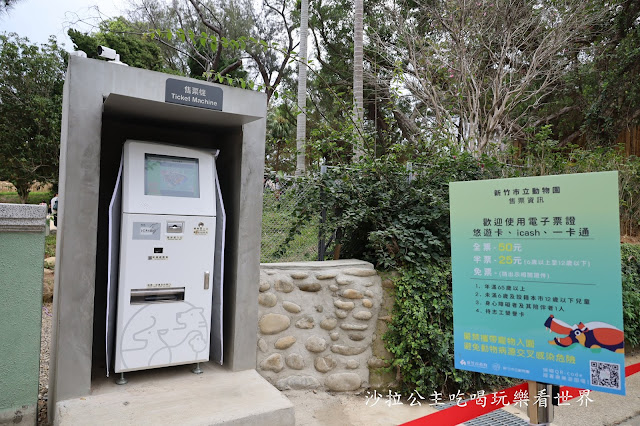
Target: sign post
x,y
537,292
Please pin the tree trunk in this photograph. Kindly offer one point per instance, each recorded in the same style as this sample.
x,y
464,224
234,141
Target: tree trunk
x,y
358,58
23,191
302,90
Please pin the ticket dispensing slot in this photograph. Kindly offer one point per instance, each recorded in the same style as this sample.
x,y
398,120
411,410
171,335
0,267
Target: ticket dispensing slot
x,y
156,295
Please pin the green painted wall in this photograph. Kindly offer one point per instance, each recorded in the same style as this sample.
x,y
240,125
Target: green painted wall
x,y
21,273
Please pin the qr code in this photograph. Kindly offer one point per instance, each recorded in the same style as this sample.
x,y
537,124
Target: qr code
x,y
605,374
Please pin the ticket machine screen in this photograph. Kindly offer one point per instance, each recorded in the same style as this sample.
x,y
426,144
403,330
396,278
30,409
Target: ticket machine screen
x,y
171,176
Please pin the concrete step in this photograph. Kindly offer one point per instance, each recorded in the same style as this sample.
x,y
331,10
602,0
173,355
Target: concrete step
x,y
175,396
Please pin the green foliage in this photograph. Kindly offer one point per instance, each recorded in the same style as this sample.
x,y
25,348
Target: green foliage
x,y
118,33
280,149
386,214
543,156
420,337
31,80
631,292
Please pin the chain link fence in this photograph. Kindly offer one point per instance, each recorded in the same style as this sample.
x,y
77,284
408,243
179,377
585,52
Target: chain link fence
x,y
279,203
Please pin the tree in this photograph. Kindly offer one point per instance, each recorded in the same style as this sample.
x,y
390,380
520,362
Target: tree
x,y
31,80
188,25
6,5
280,150
477,71
600,96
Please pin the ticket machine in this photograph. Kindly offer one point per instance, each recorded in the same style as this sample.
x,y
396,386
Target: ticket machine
x,y
166,256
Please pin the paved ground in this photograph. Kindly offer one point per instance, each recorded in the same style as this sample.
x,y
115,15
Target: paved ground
x,y
324,409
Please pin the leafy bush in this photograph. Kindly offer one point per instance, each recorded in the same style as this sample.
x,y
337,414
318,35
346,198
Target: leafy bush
x,y
386,214
631,292
420,337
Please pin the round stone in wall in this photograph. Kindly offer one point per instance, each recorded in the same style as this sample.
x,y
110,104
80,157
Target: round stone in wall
x,y
273,363
344,281
319,308
329,323
341,304
374,362
305,323
285,342
341,314
367,303
352,294
334,336
291,307
356,327
352,364
262,344
297,383
325,363
356,337
267,299
273,323
299,275
333,287
342,382
326,275
368,293
348,350
264,285
285,285
362,315
315,344
311,287
295,361
360,272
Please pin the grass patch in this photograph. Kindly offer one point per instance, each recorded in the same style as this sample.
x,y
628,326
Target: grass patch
x,y
34,197
50,245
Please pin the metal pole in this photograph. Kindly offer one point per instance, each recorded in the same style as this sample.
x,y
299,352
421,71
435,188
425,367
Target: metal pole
x,y
540,403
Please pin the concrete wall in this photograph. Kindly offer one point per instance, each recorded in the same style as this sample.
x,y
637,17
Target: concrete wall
x,y
103,105
318,323
22,252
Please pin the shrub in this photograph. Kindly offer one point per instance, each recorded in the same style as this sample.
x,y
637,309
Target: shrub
x,y
420,337
631,292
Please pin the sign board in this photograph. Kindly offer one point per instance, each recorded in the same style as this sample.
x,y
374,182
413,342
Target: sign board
x,y
193,94
537,293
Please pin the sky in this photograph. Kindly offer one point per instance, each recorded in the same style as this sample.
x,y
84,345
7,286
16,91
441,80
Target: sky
x,y
38,19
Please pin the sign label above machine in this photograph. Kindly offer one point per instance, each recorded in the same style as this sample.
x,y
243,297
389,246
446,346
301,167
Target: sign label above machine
x,y
193,94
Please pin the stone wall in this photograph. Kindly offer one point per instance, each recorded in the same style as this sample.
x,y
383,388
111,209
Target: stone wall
x,y
317,324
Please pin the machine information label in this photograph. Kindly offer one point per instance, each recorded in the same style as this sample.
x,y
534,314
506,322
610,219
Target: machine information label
x,y
537,293
193,94
146,231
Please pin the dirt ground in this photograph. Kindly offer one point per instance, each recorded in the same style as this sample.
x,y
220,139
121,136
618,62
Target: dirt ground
x,y
45,340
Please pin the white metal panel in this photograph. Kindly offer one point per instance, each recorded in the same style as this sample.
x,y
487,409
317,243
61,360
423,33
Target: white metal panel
x,y
161,333
136,201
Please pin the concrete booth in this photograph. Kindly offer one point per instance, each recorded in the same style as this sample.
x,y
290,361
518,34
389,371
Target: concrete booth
x,y
158,252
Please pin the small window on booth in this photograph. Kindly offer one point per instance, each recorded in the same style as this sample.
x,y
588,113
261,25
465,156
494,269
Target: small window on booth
x,y
171,176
